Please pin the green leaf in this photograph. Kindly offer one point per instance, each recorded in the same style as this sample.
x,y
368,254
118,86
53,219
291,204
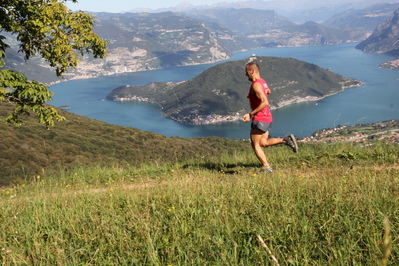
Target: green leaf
x,y
48,28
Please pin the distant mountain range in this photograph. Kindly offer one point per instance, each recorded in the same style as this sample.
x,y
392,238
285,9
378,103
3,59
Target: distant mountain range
x,y
148,41
297,11
219,93
385,39
266,28
363,19
243,21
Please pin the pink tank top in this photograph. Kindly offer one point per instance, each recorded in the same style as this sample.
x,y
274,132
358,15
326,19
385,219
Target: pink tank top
x,y
264,115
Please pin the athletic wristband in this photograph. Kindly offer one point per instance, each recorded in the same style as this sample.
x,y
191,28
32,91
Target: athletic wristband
x,y
251,115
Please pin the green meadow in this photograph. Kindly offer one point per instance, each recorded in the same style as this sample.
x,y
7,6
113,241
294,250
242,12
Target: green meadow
x,y
334,204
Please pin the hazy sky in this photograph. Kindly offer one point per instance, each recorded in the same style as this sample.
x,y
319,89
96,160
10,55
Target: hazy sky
x,y
114,6
117,6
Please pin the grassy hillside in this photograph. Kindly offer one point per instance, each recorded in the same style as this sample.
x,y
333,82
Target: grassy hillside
x,y
318,208
32,150
89,193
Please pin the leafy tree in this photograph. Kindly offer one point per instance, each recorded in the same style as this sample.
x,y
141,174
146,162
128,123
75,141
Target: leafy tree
x,y
49,29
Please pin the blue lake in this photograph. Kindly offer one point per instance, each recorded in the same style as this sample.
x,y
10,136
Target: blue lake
x,y
377,100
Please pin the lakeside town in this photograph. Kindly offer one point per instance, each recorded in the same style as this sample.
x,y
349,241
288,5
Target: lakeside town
x,y
386,130
206,119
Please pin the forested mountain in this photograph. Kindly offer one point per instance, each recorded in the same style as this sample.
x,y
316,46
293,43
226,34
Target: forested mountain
x,y
296,11
160,40
228,39
219,93
33,69
385,39
147,41
307,34
325,10
365,19
266,28
244,21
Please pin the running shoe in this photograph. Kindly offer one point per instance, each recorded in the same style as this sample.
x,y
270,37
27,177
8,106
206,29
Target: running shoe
x,y
291,141
265,170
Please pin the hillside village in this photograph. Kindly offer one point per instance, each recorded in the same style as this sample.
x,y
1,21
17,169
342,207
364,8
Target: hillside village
x,y
384,131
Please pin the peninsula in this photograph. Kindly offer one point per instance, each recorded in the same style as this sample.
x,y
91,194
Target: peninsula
x,y
219,93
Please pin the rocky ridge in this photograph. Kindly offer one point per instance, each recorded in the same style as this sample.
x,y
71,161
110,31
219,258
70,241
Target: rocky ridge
x,y
384,40
148,41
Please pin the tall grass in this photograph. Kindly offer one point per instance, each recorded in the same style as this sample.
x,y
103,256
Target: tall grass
x,y
323,206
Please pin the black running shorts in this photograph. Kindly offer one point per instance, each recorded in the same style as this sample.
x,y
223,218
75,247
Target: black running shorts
x,y
261,126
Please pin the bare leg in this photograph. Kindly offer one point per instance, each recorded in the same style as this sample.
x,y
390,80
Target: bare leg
x,y
258,137
270,142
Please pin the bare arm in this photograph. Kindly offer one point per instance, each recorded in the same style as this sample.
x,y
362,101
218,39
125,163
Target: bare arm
x,y
258,89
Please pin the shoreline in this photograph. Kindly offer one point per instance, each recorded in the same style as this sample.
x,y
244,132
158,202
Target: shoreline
x,y
394,64
211,119
91,74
